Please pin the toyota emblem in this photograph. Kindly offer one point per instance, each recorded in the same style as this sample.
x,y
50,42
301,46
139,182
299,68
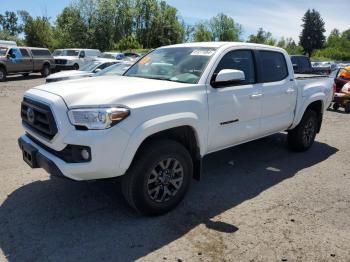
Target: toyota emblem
x,y
30,115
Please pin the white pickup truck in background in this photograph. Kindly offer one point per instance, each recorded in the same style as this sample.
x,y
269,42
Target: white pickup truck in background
x,y
154,124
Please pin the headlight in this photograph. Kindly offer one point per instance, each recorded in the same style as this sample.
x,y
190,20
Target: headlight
x,y
97,118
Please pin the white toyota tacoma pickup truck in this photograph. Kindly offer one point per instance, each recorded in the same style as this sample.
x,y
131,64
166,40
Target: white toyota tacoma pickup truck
x,y
154,124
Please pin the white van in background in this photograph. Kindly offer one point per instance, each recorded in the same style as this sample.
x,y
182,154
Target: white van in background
x,y
67,59
6,43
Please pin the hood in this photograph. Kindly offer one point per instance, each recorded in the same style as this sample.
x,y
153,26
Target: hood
x,y
109,90
66,57
67,74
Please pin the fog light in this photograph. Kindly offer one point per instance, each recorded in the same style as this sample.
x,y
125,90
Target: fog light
x,y
85,154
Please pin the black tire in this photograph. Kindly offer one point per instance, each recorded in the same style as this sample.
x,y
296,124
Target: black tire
x,y
25,74
147,176
46,70
347,107
302,137
2,74
75,67
336,106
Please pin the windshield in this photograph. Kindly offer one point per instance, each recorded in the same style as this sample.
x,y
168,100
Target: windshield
x,y
66,53
3,51
104,55
57,53
90,66
178,64
117,69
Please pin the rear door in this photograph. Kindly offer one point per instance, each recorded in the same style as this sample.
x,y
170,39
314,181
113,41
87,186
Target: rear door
x,y
278,90
234,110
27,61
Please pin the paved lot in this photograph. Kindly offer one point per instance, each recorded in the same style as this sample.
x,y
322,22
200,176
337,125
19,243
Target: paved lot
x,y
256,202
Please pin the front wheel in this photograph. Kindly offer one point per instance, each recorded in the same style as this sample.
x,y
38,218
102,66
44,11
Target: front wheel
x,y
2,74
302,137
158,178
336,106
75,67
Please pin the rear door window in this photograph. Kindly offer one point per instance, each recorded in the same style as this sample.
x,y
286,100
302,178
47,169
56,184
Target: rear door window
x,y
240,60
273,66
24,52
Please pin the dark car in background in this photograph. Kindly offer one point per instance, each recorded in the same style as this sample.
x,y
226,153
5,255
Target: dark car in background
x,y
301,64
25,60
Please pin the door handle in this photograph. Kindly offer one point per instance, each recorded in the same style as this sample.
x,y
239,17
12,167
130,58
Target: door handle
x,y
290,90
255,96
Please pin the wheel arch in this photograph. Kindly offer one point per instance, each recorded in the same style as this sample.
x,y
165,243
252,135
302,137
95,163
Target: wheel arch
x,y
183,130
3,66
316,105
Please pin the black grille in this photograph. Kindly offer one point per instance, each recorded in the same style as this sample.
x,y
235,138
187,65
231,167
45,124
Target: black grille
x,y
60,61
38,118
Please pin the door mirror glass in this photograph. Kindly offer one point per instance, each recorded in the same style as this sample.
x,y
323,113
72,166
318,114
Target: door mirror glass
x,y
228,76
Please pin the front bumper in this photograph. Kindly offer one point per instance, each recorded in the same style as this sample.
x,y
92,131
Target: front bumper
x,y
40,160
106,154
60,67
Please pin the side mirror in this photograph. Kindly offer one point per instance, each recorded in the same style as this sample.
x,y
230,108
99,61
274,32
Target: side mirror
x,y
81,55
295,67
11,56
97,70
227,77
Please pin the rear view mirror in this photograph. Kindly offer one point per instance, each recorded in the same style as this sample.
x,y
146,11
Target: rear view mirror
x,y
228,76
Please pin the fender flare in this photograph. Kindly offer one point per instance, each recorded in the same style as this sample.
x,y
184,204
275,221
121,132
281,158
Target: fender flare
x,y
156,125
306,102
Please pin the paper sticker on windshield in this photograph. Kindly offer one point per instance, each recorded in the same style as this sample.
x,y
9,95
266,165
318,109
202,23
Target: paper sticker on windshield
x,y
203,52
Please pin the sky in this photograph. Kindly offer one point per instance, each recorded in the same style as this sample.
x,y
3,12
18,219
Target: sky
x,y
280,17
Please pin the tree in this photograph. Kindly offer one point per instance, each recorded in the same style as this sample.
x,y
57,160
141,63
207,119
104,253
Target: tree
x,y
128,43
262,37
202,32
9,23
37,31
70,30
224,28
312,36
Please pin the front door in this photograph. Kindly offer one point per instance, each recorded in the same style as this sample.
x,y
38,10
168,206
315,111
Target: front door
x,y
234,110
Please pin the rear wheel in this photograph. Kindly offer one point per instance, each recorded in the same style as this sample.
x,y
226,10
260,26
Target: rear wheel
x,y
158,178
45,71
302,137
2,74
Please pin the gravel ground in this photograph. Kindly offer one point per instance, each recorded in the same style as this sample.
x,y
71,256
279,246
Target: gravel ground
x,y
256,202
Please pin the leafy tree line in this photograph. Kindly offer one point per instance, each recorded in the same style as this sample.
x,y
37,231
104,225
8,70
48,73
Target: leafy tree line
x,y
135,24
